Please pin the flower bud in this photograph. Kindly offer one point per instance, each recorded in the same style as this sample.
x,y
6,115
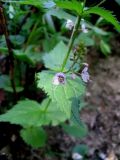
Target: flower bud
x,y
69,24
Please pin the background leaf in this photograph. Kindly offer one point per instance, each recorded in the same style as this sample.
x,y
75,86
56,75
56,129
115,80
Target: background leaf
x,y
84,38
37,3
82,149
75,130
5,83
29,56
54,59
105,48
71,5
107,15
59,13
118,1
34,136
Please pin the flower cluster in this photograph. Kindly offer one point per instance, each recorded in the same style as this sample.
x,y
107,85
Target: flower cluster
x,y
70,25
60,77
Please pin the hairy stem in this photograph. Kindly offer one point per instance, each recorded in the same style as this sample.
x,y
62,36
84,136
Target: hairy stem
x,y
11,57
70,45
73,36
71,67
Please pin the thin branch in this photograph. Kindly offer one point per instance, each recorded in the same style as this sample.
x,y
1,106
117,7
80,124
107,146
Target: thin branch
x,y
100,3
70,45
73,36
46,107
10,57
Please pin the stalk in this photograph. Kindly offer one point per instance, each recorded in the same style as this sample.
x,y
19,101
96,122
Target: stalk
x,y
72,39
73,36
49,101
10,51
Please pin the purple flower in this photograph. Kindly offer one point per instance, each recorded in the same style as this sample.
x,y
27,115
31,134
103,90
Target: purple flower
x,y
59,78
85,75
69,24
83,27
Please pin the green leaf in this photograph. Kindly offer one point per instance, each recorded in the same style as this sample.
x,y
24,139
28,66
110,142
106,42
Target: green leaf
x,y
4,81
61,94
17,39
85,38
29,56
99,31
71,5
75,130
75,116
49,4
76,123
118,1
5,84
53,114
31,113
82,149
59,13
4,50
34,136
36,3
54,59
107,15
105,48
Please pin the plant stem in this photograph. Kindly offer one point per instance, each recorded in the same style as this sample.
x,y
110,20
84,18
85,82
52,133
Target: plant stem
x,y
11,57
73,36
32,33
101,3
84,5
71,67
31,11
47,105
70,45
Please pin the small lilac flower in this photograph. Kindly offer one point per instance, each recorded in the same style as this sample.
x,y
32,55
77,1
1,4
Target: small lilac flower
x,y
69,24
59,78
73,76
77,156
85,75
83,27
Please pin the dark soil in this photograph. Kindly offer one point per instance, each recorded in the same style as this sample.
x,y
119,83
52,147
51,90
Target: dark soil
x,y
103,112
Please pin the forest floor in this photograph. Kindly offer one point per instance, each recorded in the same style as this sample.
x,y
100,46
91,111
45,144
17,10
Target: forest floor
x,y
101,114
